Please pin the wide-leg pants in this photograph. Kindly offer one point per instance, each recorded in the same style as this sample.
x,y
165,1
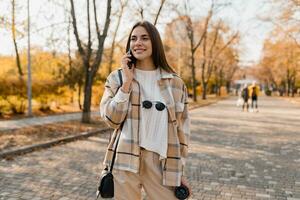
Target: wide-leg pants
x,y
128,185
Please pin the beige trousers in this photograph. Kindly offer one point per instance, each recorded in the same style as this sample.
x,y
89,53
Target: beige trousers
x,y
128,185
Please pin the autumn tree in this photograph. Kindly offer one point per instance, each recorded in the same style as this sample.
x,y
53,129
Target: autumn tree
x,y
194,46
279,66
141,8
281,69
191,33
177,48
14,37
16,28
225,68
73,76
91,59
214,43
289,21
119,13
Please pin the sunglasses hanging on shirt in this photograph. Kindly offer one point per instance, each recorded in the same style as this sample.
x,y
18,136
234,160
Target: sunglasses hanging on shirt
x,y
158,105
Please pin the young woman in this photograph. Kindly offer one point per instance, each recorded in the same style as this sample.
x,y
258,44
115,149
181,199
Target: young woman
x,y
149,113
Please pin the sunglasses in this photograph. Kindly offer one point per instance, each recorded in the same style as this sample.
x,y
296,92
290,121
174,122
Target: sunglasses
x,y
159,105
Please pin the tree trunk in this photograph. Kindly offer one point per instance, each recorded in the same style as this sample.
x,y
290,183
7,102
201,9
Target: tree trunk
x,y
86,115
14,37
288,82
293,86
228,85
220,81
18,58
204,84
86,52
112,50
158,12
217,86
79,96
194,78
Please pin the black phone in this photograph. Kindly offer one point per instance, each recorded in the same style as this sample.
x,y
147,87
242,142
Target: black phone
x,y
132,58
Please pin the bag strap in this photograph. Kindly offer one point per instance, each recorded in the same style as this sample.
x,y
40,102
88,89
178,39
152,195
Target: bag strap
x,y
120,77
121,127
115,150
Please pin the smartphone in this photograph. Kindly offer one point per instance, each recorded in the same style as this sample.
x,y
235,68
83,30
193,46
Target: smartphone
x,y
132,58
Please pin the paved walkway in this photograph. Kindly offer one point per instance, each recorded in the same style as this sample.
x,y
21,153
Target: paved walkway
x,y
20,123
234,155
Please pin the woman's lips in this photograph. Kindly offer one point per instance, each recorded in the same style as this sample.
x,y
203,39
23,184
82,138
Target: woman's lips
x,y
139,50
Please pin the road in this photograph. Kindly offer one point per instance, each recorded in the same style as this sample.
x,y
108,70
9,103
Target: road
x,y
233,155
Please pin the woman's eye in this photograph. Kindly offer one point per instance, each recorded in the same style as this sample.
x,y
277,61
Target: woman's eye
x,y
145,39
133,39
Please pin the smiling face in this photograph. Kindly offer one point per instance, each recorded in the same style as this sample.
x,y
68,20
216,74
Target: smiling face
x,y
140,44
146,45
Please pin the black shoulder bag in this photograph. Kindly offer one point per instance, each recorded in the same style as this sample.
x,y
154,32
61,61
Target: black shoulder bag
x,y
106,185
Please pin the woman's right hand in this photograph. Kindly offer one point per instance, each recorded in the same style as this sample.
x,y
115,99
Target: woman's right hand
x,y
127,73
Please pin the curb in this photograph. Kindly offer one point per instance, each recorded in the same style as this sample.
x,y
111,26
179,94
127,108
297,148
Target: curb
x,y
30,148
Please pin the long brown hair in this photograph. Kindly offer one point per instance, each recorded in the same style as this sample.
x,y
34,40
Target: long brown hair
x,y
158,53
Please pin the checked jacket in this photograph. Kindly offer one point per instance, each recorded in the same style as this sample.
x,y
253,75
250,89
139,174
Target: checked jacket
x,y
174,92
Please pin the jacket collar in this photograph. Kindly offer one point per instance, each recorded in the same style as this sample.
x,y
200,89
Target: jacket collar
x,y
164,74
166,92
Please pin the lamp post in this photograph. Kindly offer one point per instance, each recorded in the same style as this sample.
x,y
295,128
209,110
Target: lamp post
x,y
28,63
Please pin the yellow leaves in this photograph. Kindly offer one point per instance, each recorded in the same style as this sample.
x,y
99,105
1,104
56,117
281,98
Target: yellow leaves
x,y
279,56
287,14
43,65
6,64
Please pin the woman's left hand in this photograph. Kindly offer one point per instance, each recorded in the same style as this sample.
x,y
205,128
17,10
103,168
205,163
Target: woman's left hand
x,y
184,181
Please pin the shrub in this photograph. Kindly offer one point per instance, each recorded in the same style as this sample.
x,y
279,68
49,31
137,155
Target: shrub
x,y
268,92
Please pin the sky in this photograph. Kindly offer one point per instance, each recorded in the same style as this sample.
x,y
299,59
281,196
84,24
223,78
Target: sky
x,y
241,15
244,16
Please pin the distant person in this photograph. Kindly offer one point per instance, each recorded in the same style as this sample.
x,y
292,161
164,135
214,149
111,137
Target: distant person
x,y
254,91
240,100
245,96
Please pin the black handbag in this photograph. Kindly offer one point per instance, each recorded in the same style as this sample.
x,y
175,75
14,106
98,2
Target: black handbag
x,y
106,184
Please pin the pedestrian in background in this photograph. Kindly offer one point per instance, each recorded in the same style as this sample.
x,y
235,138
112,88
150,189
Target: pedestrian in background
x,y
245,96
150,115
254,92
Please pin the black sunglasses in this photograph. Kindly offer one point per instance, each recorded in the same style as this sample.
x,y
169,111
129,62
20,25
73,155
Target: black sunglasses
x,y
159,105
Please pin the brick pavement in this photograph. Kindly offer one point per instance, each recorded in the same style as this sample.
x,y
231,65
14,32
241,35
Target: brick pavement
x,y
33,121
234,155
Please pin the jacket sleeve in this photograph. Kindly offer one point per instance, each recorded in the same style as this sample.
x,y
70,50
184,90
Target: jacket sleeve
x,y
184,126
114,102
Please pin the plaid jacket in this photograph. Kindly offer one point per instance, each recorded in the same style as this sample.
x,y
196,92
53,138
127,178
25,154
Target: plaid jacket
x,y
113,113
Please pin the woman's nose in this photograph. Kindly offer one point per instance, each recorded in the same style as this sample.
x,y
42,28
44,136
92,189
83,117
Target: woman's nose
x,y
139,41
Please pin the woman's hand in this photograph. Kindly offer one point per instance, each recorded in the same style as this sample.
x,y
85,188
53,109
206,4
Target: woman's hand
x,y
127,73
184,181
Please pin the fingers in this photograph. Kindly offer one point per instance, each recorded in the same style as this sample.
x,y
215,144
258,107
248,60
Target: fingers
x,y
128,72
126,59
127,55
125,63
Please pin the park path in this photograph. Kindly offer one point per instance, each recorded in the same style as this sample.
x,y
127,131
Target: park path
x,y
233,155
34,121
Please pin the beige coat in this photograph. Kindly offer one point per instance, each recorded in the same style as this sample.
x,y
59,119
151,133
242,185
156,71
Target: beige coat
x,y
175,95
